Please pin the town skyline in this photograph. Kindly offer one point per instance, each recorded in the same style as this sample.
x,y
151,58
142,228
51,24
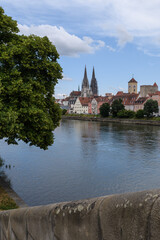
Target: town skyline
x,y
85,75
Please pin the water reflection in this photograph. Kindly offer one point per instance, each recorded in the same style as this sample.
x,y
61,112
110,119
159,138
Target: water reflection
x,y
88,159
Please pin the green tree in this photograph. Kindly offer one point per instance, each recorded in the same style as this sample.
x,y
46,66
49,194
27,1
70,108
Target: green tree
x,y
104,110
8,28
140,113
116,107
126,114
29,72
150,107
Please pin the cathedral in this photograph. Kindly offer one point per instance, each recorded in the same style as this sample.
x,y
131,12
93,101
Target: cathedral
x,y
92,90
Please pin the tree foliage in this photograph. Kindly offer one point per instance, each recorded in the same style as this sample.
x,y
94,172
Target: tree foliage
x,y
116,107
104,110
29,72
126,114
140,113
150,107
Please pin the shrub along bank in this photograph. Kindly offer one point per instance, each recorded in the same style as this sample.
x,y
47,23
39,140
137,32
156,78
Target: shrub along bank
x,y
6,202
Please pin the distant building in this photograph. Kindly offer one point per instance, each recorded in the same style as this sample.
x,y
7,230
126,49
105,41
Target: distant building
x,y
132,86
128,99
81,105
89,105
109,95
95,104
73,97
139,103
145,90
92,90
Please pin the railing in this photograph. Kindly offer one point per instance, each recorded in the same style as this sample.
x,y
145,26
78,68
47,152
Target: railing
x,y
131,216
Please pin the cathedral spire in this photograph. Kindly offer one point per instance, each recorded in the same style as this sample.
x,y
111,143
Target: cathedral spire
x,y
94,85
93,74
85,82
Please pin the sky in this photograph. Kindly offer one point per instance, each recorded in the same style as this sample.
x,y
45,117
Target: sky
x,y
120,38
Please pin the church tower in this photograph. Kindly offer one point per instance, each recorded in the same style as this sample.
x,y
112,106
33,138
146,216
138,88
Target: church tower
x,y
94,85
132,86
86,92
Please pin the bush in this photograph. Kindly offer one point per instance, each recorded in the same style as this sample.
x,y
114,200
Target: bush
x,y
140,113
126,114
104,109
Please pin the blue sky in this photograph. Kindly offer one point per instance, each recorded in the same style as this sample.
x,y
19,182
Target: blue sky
x,y
118,38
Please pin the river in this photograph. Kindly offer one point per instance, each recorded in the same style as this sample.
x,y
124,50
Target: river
x,y
87,159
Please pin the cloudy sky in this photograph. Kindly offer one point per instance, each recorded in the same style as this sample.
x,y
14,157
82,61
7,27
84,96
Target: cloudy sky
x,y
118,37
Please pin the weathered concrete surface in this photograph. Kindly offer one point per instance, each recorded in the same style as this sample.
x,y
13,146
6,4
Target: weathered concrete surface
x,y
132,216
114,120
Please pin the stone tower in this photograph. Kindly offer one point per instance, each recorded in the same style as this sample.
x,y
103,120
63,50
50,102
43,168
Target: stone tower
x,y
86,91
94,85
132,86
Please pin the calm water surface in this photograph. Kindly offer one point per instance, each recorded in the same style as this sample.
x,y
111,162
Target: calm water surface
x,y
88,159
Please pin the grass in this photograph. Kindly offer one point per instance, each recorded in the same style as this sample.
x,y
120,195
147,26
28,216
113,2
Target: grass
x,y
6,202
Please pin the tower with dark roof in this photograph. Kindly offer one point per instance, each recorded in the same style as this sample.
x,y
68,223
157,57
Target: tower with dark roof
x,y
86,91
94,85
132,86
85,82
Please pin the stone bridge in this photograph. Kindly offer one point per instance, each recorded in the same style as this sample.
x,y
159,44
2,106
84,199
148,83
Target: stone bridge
x,y
131,216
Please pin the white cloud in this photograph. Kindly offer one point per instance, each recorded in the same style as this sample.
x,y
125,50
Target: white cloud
x,y
110,48
60,95
123,37
65,78
66,44
136,21
115,90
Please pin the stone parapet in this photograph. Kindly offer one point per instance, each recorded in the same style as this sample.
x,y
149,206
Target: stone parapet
x,y
131,216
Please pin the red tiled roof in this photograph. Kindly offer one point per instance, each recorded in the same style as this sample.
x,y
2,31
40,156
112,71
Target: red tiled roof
x,y
102,99
155,84
66,99
120,93
85,100
156,93
75,93
127,98
141,100
132,80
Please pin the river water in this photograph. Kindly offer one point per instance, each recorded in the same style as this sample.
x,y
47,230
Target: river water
x,y
88,159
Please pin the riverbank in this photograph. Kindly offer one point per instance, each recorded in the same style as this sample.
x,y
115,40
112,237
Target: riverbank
x,y
113,120
12,200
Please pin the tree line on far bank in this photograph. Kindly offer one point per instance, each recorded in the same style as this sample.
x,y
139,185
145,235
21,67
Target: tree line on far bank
x,y
117,109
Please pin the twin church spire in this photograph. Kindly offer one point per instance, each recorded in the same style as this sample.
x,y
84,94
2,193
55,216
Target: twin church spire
x,y
92,90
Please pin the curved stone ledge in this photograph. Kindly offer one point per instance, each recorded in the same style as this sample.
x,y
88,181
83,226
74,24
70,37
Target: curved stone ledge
x,y
131,216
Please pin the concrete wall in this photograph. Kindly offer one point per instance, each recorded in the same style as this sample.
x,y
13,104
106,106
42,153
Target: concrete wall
x,y
132,216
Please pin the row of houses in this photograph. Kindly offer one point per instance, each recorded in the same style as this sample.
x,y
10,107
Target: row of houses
x,y
131,102
91,105
76,103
